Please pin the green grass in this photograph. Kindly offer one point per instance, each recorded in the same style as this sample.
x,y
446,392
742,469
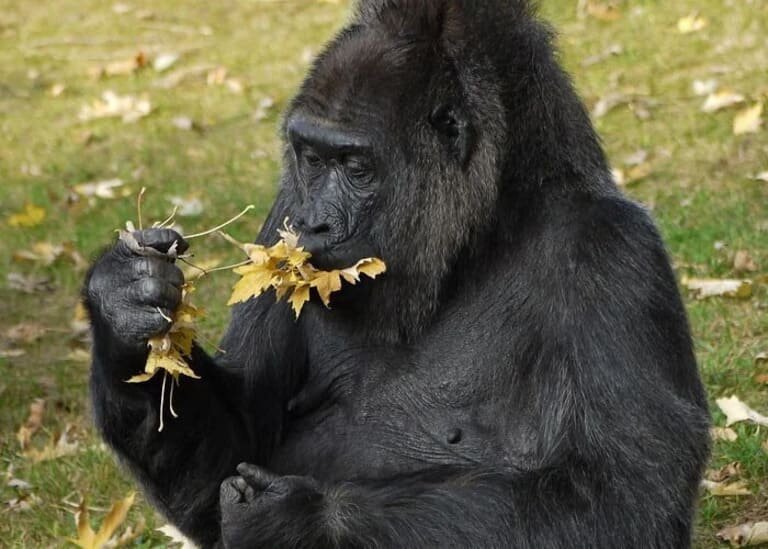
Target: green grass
x,y
700,189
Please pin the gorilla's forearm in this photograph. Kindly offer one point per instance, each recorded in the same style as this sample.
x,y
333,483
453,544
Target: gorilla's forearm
x,y
181,467
556,508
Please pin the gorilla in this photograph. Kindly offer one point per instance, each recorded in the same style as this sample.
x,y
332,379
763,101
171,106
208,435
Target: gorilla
x,y
523,374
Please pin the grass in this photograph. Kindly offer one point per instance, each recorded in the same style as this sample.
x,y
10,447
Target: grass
x,y
700,189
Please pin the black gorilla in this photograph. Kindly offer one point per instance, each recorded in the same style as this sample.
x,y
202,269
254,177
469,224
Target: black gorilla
x,y
521,377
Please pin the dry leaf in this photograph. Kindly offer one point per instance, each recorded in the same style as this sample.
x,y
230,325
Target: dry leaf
x,y
164,61
749,120
100,189
30,216
760,358
723,433
177,538
59,446
126,107
727,472
762,176
29,284
721,100
704,288
738,488
167,352
46,253
736,411
12,353
285,267
691,23
609,102
745,535
122,67
32,424
87,538
743,262
704,87
189,206
603,11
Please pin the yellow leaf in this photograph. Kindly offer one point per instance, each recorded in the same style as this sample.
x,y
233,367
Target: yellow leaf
x,y
371,267
749,120
723,433
691,23
298,298
326,283
87,538
30,216
721,100
738,488
603,11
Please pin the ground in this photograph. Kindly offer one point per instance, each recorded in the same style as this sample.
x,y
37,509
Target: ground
x,y
699,185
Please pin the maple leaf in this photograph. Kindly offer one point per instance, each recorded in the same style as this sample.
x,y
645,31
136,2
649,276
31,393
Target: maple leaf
x,y
87,538
286,268
167,352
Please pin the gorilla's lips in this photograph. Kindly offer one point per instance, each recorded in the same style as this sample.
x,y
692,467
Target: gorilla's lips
x,y
330,254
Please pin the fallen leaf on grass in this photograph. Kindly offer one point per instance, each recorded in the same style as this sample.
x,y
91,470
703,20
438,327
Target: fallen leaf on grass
x,y
738,488
187,206
736,411
59,446
121,67
29,284
26,332
100,189
704,87
745,535
32,424
12,353
762,176
164,61
603,11
634,174
30,216
126,107
721,100
749,120
87,538
760,358
723,433
743,262
177,538
46,253
691,23
727,472
704,287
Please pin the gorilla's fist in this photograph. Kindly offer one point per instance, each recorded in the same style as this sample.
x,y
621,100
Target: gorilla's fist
x,y
127,290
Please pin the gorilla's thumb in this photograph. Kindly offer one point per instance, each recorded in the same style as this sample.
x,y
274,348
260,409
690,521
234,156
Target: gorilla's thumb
x,y
257,477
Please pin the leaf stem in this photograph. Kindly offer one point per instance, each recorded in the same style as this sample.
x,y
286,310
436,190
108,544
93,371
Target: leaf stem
x,y
216,229
138,206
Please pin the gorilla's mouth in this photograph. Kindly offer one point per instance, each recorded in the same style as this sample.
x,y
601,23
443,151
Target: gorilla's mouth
x,y
328,255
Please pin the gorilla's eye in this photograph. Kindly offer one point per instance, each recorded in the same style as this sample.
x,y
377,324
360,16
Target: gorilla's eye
x,y
445,121
356,167
311,159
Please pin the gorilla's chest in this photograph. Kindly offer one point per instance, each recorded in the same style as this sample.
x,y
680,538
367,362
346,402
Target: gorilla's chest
x,y
374,413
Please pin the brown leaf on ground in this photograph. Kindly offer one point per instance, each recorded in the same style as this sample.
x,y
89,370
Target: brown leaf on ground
x,y
29,284
59,446
723,433
729,471
745,535
722,489
87,538
743,262
32,424
26,332
707,287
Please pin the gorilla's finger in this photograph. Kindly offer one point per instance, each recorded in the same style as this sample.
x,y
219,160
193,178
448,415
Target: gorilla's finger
x,y
256,476
154,267
156,292
230,490
161,239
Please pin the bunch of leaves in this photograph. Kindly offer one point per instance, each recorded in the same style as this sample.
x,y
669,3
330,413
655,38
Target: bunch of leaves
x,y
168,352
286,268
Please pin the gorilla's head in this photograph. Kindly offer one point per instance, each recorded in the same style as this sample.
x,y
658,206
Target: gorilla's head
x,y
410,129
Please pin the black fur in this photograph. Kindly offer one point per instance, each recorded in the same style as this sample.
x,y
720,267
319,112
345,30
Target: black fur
x,y
522,376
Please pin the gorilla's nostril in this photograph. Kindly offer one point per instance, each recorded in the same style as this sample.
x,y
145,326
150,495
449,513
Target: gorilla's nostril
x,y
320,228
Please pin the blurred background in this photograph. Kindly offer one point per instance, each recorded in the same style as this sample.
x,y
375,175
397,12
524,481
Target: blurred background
x,y
99,99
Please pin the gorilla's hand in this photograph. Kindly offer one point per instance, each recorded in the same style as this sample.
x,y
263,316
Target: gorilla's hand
x,y
261,509
127,290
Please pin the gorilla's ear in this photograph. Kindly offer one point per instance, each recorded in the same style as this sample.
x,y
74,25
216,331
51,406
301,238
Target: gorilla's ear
x,y
455,130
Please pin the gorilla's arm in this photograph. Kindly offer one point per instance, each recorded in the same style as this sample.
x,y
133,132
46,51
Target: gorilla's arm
x,y
233,413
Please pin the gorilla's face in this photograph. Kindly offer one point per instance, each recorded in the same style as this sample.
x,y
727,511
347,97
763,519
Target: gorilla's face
x,y
336,172
391,153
